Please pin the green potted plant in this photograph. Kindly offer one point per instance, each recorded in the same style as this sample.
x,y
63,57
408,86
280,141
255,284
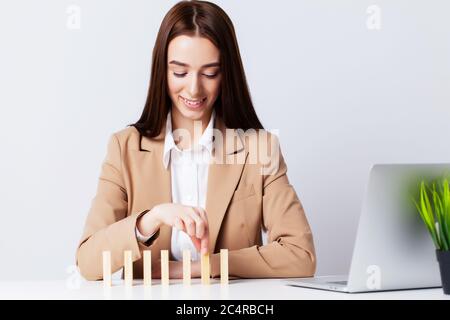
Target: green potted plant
x,y
435,214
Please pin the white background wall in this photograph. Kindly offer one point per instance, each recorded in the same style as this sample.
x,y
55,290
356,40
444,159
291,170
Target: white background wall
x,y
343,97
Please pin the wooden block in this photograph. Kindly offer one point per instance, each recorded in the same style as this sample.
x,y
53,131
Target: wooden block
x,y
186,267
107,268
205,268
128,268
165,267
147,268
224,266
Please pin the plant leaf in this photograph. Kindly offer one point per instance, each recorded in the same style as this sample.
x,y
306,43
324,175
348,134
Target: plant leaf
x,y
427,214
440,224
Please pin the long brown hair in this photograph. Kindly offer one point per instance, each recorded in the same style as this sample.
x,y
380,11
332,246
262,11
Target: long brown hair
x,y
199,18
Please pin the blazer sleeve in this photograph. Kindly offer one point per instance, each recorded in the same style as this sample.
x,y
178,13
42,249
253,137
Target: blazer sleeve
x,y
108,225
290,249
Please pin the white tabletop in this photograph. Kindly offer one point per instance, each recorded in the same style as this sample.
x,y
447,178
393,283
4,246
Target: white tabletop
x,y
248,289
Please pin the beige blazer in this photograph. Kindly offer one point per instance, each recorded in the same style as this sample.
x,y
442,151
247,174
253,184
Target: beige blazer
x,y
240,201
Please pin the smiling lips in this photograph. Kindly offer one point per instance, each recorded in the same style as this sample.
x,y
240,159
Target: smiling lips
x,y
193,103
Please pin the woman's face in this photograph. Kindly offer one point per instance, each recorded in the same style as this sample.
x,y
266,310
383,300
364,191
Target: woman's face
x,y
193,76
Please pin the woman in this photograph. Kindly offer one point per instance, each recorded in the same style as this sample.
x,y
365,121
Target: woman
x,y
192,172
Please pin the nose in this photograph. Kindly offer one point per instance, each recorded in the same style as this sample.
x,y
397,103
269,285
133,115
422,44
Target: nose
x,y
194,86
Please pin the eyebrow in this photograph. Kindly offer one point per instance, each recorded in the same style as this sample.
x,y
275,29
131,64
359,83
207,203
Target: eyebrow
x,y
208,65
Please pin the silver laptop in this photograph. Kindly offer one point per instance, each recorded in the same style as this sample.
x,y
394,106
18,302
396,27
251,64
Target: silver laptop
x,y
393,250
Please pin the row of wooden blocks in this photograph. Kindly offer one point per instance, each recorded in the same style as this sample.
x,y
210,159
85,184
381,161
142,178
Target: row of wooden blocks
x,y
128,268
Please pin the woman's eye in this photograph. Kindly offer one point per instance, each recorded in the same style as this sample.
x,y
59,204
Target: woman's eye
x,y
179,75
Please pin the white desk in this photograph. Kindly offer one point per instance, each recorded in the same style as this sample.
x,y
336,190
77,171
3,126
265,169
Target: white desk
x,y
237,290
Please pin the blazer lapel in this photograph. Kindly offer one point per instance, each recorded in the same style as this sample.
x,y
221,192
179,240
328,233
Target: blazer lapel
x,y
223,176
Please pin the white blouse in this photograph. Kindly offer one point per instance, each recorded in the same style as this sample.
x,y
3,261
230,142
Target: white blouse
x,y
189,179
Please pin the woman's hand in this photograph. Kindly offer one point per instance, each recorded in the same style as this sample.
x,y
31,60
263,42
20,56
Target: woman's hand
x,y
192,220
